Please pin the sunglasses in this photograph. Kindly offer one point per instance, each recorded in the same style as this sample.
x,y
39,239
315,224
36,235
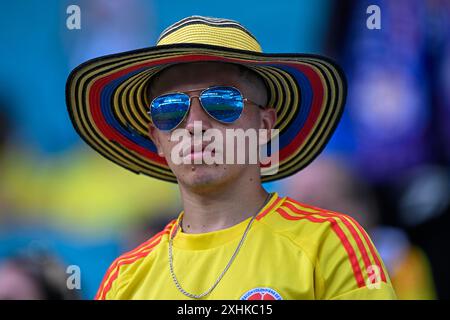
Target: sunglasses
x,y
223,103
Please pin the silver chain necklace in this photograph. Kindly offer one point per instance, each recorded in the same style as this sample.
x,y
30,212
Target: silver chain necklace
x,y
198,296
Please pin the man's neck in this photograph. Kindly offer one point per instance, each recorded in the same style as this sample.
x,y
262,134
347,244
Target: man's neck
x,y
222,208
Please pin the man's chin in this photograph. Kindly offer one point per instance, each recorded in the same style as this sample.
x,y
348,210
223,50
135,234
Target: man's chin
x,y
202,175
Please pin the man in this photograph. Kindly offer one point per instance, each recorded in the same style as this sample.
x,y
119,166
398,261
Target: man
x,y
233,240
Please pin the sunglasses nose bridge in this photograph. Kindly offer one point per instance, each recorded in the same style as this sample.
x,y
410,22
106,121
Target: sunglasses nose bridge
x,y
196,113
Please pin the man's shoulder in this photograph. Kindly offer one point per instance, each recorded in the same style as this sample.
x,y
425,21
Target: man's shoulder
x,y
312,225
293,214
345,261
129,262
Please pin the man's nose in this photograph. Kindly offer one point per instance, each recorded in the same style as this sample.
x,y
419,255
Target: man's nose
x,y
197,113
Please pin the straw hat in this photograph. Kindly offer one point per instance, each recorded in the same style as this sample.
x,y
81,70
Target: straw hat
x,y
107,101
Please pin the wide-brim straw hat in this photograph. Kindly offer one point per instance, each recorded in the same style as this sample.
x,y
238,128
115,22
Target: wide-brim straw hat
x,y
108,103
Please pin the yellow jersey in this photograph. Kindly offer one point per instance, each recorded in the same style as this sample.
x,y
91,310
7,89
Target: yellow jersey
x,y
292,251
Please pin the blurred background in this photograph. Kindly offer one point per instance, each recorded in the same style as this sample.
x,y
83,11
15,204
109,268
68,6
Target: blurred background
x,y
388,164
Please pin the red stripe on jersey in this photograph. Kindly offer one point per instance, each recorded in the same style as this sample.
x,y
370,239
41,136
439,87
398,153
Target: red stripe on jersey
x,y
268,209
372,249
143,248
345,242
121,261
291,205
128,260
357,238
124,256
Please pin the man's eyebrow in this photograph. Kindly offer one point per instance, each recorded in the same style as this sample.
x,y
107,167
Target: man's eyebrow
x,y
196,89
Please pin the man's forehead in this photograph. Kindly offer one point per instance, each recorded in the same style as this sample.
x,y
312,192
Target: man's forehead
x,y
216,73
202,66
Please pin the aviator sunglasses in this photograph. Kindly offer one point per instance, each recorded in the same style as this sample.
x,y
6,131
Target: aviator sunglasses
x,y
222,103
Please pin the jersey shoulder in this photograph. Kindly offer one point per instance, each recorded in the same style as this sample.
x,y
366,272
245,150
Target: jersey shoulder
x,y
315,228
334,242
301,220
124,265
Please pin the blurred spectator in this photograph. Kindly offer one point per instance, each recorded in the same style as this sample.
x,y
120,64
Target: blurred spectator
x,y
395,130
397,111
387,112
424,209
39,276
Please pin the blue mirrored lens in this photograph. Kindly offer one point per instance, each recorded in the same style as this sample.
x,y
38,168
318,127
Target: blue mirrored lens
x,y
169,110
224,104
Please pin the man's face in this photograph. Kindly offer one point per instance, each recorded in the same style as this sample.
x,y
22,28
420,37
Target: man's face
x,y
201,75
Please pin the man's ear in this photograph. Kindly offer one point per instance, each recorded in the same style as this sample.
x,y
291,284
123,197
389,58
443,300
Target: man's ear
x,y
268,118
154,136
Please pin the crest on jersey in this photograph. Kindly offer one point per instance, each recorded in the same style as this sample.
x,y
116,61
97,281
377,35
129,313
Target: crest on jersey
x,y
261,294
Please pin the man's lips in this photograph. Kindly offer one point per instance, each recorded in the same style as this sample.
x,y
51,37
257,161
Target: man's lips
x,y
197,151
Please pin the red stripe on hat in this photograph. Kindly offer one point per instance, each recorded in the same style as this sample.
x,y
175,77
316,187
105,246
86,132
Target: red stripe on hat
x,y
108,131
112,134
316,106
